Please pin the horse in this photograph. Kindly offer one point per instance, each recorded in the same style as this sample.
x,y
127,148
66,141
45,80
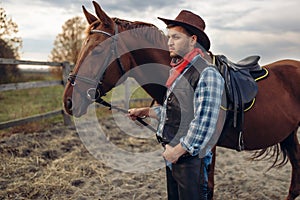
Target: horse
x,y
272,122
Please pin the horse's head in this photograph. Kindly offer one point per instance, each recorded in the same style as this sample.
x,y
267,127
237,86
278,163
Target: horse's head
x,y
110,50
88,81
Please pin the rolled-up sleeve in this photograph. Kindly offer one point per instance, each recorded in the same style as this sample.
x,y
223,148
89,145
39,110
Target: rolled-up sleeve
x,y
207,102
157,110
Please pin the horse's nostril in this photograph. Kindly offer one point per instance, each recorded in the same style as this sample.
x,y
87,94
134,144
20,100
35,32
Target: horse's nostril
x,y
69,104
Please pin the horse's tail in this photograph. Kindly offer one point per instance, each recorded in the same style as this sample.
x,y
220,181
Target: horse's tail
x,y
278,152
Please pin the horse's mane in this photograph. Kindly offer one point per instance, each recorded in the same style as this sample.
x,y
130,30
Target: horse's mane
x,y
151,33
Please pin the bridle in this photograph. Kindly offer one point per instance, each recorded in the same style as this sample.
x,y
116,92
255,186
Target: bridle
x,y
94,93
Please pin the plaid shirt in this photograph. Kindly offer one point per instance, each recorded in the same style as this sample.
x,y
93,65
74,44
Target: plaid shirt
x,y
207,102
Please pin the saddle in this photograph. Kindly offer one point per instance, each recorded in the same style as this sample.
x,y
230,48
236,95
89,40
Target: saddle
x,y
240,87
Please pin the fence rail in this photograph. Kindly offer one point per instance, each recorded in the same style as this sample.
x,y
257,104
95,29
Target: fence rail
x,y
28,85
29,62
11,123
36,84
66,67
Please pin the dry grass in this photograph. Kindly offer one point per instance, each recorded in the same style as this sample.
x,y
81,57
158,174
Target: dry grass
x,y
55,164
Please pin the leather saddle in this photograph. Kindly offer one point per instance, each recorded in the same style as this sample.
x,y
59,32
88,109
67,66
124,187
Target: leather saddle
x,y
250,63
240,86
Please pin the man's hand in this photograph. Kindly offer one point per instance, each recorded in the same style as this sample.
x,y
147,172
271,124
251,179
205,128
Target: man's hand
x,y
172,154
134,113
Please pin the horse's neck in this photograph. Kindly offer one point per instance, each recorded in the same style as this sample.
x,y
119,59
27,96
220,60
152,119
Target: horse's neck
x,y
156,56
151,71
150,60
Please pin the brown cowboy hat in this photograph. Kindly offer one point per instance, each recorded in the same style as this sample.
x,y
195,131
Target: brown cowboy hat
x,y
193,23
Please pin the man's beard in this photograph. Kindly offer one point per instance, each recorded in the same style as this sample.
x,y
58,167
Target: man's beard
x,y
175,55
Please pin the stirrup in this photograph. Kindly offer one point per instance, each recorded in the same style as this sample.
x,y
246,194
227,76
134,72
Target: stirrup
x,y
241,145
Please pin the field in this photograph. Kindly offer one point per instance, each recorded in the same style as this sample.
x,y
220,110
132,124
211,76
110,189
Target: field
x,y
47,160
23,103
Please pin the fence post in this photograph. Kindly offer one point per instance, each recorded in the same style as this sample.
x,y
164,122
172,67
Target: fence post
x,y
66,68
127,85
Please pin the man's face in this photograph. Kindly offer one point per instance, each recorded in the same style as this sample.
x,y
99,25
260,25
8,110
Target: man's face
x,y
179,42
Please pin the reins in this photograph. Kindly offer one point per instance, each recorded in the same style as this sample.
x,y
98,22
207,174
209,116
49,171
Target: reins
x,y
139,119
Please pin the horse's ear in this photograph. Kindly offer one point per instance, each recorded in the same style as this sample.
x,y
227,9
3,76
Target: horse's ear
x,y
90,18
104,18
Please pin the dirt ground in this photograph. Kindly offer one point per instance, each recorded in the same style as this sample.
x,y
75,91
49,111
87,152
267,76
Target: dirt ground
x,y
55,164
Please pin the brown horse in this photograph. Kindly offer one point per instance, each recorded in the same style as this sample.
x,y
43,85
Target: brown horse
x,y
107,58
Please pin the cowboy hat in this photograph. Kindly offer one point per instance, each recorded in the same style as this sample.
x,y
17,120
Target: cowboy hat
x,y
193,23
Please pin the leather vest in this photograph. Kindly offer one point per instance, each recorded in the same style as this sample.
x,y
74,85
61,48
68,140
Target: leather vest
x,y
180,104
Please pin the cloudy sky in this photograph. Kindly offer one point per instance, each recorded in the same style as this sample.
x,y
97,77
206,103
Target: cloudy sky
x,y
237,28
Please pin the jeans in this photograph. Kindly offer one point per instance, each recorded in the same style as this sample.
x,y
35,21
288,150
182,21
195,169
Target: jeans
x,y
188,179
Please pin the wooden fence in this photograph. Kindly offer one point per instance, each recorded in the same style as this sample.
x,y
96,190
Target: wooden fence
x,y
26,85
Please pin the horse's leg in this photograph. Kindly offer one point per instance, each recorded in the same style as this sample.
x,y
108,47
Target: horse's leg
x,y
211,182
292,146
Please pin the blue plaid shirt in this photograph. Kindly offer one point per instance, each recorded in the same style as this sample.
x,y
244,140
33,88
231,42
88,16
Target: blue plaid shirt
x,y
207,102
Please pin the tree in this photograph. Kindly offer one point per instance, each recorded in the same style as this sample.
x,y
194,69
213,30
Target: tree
x,y
8,73
8,33
68,43
10,45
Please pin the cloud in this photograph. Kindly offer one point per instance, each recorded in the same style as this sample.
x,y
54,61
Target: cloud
x,y
112,5
239,44
267,28
276,18
35,20
138,5
236,28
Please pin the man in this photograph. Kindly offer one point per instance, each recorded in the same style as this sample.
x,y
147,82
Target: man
x,y
189,116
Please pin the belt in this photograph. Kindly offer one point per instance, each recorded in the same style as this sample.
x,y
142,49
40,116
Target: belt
x,y
162,141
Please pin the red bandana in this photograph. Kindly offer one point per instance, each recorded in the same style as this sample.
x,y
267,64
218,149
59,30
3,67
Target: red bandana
x,y
181,64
